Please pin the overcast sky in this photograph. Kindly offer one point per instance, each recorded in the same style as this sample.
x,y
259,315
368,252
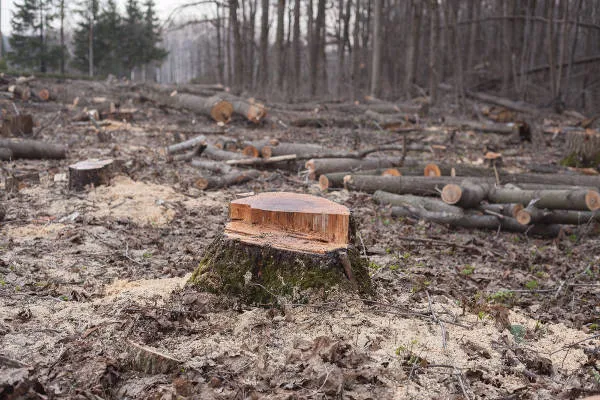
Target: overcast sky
x,y
164,8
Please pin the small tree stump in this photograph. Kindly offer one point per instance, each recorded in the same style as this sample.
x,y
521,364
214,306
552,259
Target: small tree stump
x,y
284,245
583,148
90,172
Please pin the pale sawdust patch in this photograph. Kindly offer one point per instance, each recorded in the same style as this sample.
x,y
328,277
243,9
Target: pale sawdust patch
x,y
143,289
34,231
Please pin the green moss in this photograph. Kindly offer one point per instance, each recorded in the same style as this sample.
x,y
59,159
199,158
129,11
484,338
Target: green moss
x,y
259,275
576,161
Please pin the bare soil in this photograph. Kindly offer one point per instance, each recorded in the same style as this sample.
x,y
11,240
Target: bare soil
x,y
458,314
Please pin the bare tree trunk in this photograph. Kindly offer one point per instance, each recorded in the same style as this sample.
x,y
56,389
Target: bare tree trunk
x,y
564,36
297,48
433,50
90,46
317,46
573,50
62,37
263,72
250,49
376,61
279,37
506,48
310,39
413,49
356,50
550,44
220,61
238,74
474,14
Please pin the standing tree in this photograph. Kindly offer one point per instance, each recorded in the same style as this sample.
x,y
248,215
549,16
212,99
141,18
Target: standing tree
x,y
132,33
31,42
108,39
151,37
376,62
87,53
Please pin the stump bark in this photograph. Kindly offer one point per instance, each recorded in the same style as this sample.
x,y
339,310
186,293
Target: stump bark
x,y
90,172
583,148
284,245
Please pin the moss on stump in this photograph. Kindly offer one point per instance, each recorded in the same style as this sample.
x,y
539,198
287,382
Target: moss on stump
x,y
259,274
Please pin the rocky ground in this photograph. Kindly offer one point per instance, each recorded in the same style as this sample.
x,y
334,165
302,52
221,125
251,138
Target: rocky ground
x,y
458,314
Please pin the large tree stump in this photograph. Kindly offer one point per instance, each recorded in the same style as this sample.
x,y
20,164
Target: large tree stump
x,y
90,172
287,245
583,148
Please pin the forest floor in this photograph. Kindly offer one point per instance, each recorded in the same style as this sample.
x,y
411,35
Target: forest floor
x,y
462,314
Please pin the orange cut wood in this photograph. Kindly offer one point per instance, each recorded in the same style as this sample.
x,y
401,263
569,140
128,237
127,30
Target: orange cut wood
x,y
291,221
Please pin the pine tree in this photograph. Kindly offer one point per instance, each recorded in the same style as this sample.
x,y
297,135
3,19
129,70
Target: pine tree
x,y
87,53
133,34
33,42
152,35
109,37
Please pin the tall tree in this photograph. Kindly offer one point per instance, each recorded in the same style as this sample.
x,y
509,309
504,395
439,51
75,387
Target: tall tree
x,y
264,44
238,61
279,46
133,31
297,48
109,40
151,36
31,43
376,62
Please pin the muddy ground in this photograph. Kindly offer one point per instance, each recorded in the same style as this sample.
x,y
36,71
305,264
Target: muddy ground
x,y
459,315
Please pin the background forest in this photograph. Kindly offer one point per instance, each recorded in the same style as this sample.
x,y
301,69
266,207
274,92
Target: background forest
x,y
541,51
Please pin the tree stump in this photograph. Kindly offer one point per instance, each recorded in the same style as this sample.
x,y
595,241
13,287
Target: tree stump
x,y
583,148
90,172
286,245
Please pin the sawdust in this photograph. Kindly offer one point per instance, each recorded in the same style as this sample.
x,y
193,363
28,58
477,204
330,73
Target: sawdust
x,y
34,231
141,203
143,289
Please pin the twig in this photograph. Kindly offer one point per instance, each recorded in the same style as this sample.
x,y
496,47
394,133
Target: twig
x,y
261,161
576,343
435,319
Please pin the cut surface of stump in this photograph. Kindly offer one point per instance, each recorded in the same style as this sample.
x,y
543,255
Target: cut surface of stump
x,y
284,244
90,172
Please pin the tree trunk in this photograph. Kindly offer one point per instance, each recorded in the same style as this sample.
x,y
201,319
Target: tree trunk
x,y
319,166
377,48
433,52
428,203
33,149
238,57
279,46
297,47
90,173
226,180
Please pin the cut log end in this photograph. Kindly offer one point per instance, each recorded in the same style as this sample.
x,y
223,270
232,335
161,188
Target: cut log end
x,y
592,200
323,183
267,152
524,217
201,183
221,111
391,172
44,95
256,113
432,170
451,194
251,151
280,219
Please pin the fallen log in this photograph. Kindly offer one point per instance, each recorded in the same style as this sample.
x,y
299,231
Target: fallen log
x,y
318,166
261,161
583,200
299,149
336,179
424,186
466,194
470,221
500,101
388,121
215,107
217,167
305,245
507,210
254,112
222,155
428,203
230,179
195,152
187,144
33,149
321,122
6,154
502,129
533,215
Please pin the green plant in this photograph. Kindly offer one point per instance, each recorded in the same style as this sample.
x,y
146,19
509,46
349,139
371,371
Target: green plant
x,y
467,270
147,254
394,267
502,295
518,332
532,284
